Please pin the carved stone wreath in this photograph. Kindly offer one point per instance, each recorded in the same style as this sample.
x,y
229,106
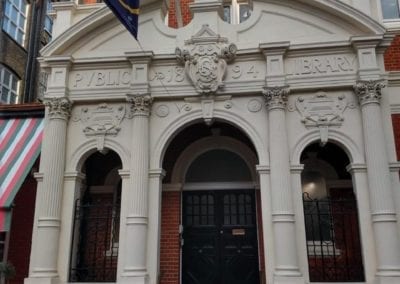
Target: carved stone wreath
x,y
206,59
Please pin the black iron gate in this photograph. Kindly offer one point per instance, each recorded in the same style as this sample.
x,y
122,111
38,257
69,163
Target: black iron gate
x,y
220,238
333,239
95,242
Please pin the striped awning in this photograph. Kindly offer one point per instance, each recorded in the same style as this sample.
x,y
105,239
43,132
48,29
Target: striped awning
x,y
20,141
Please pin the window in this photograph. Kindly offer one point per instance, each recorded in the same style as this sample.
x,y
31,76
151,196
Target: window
x,y
8,86
14,22
236,11
390,9
42,84
48,22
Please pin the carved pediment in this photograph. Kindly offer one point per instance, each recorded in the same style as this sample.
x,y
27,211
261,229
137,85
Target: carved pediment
x,y
205,59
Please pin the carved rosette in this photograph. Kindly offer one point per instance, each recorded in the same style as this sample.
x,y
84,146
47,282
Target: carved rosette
x,y
59,108
206,59
276,97
140,105
369,91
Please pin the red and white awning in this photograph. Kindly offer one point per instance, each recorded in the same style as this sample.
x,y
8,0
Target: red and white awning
x,y
20,141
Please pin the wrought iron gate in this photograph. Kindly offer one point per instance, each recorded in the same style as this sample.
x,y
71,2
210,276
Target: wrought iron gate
x,y
333,239
94,251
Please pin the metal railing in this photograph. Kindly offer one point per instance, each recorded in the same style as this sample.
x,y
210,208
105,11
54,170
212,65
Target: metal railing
x,y
333,240
94,253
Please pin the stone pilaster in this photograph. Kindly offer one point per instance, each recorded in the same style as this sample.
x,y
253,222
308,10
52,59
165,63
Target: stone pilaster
x,y
154,230
45,244
381,196
286,260
135,250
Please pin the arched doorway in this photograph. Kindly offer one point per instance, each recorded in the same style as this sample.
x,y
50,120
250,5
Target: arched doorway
x,y
213,174
331,216
95,240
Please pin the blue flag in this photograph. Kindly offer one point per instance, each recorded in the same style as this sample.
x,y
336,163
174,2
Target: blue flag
x,y
127,11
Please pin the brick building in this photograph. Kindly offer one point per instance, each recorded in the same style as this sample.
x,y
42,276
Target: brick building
x,y
25,28
239,142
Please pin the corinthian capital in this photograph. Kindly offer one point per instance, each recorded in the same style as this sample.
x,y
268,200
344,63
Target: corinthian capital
x,y
141,104
276,97
369,91
59,108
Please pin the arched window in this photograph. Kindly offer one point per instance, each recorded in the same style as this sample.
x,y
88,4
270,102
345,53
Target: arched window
x,y
331,216
9,84
95,238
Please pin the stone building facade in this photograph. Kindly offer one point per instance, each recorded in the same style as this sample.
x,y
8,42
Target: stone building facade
x,y
257,152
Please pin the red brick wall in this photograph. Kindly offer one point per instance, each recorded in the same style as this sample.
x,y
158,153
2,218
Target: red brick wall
x,y
392,55
185,11
396,131
21,230
169,244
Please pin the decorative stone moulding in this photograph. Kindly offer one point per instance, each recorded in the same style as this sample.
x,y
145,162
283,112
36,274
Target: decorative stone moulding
x,y
100,121
205,59
59,108
322,111
369,91
140,104
276,97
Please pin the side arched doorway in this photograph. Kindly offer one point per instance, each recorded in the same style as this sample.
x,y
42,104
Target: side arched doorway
x,y
331,216
213,175
95,239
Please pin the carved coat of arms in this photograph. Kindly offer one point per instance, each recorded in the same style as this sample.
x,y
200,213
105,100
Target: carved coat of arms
x,y
205,59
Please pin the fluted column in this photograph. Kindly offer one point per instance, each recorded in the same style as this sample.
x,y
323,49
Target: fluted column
x,y
49,196
134,268
154,231
286,260
381,196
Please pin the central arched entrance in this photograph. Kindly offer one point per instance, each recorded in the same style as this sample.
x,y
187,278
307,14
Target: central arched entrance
x,y
212,173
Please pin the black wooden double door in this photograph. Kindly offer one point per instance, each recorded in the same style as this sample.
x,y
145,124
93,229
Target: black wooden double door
x,y
219,238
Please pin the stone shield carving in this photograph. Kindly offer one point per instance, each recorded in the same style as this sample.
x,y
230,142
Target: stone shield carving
x,y
101,120
322,110
205,59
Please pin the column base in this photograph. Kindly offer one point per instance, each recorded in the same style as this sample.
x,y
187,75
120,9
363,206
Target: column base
x,y
143,279
289,280
387,279
42,280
